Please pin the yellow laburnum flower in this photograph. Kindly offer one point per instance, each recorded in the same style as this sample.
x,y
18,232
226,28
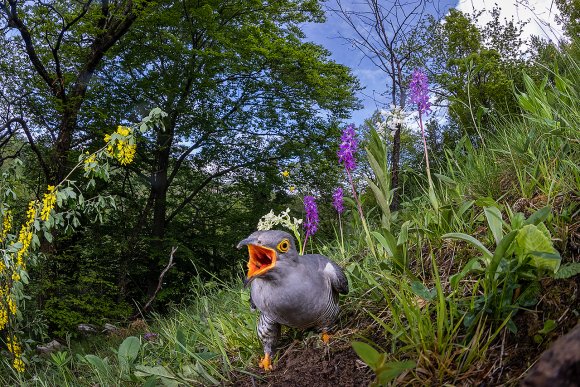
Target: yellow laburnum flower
x,y
122,149
16,349
3,317
6,224
123,130
11,304
89,161
25,235
48,202
18,364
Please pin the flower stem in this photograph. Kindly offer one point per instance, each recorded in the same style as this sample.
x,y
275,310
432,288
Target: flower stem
x,y
360,211
425,148
303,250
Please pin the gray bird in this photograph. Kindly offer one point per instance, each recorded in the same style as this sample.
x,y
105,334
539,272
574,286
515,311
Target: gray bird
x,y
299,291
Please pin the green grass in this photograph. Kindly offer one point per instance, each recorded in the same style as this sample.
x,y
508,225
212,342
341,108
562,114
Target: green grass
x,y
412,274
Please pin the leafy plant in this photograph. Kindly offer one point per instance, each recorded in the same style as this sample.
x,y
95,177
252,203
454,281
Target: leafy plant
x,y
384,370
509,275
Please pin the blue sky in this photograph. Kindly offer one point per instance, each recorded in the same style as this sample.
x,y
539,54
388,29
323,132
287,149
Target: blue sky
x,y
539,13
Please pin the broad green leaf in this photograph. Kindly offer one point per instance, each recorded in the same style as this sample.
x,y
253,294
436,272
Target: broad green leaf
x,y
404,233
128,351
389,371
445,179
463,208
486,202
468,238
181,341
531,241
539,216
568,270
99,365
433,198
368,354
383,203
167,378
495,222
387,241
421,290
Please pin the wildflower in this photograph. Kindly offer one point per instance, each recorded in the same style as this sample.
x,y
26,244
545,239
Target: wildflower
x,y
16,349
292,188
90,162
48,202
419,88
337,200
6,224
11,304
122,149
347,149
285,173
18,364
311,223
268,221
149,336
25,235
3,317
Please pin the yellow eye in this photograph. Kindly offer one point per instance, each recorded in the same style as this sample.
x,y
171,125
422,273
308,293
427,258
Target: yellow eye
x,y
283,246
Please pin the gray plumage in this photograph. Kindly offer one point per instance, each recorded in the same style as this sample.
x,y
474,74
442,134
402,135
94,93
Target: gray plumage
x,y
299,291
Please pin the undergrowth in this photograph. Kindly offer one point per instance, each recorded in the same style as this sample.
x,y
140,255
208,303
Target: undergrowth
x,y
441,283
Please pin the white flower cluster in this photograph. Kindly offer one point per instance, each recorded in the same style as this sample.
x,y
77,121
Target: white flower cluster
x,y
391,119
270,220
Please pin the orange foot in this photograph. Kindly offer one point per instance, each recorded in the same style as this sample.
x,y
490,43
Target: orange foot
x,y
265,363
325,337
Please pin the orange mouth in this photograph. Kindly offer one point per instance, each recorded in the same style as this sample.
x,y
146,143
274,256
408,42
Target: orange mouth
x,y
261,260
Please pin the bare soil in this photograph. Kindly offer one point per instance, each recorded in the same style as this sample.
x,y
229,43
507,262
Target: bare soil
x,y
310,362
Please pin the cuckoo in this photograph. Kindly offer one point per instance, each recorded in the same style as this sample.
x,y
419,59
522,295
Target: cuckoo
x,y
299,291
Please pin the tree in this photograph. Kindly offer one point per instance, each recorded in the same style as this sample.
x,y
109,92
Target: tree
x,y
388,35
475,70
64,43
241,91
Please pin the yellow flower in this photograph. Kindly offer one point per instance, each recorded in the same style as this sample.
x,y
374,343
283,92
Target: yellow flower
x,y
25,235
48,202
18,364
6,224
16,349
11,304
292,189
285,173
90,161
3,317
123,130
121,149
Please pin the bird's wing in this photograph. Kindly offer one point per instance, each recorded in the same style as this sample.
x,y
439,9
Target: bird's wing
x,y
252,305
333,272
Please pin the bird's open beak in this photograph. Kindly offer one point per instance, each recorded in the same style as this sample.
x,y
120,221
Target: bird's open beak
x,y
261,258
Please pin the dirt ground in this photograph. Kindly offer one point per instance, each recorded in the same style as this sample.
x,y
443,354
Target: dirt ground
x,y
312,363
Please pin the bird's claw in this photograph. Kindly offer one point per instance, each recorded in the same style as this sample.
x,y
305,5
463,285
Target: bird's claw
x,y
265,362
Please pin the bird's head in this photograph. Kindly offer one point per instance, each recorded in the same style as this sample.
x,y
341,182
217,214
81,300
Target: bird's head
x,y
266,248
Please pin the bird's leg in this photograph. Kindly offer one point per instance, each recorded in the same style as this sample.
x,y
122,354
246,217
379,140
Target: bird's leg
x,y
325,336
268,333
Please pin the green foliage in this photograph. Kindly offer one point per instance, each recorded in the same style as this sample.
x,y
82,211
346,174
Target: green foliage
x,y
521,255
385,371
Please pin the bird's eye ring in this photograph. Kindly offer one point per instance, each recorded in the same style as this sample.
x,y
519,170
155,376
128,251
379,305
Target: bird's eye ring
x,y
283,246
